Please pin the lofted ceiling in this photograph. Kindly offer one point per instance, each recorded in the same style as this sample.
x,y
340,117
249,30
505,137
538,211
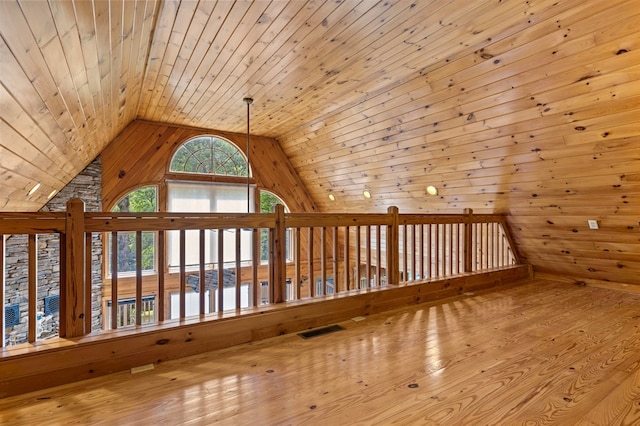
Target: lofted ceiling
x,y
528,108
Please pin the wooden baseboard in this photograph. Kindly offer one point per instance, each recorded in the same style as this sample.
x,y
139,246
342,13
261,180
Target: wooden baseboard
x,y
588,282
60,361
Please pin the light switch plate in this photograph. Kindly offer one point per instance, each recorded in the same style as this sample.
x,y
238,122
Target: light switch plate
x,y
593,224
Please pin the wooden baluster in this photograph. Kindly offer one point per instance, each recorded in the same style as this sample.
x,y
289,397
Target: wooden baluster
x,y
323,260
32,286
255,262
493,244
458,257
138,303
312,283
160,269
421,249
238,271
451,246
182,274
485,245
62,257
220,270
2,289
368,254
114,280
414,269
429,250
405,267
335,254
357,266
468,241
202,278
88,259
347,251
378,256
297,262
438,248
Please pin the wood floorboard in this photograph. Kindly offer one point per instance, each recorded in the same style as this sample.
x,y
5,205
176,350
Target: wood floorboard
x,y
531,353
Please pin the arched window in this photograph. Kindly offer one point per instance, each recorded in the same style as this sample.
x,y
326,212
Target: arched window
x,y
140,200
209,155
187,192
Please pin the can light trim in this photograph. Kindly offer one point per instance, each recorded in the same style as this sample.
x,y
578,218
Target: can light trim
x,y
366,193
34,189
432,190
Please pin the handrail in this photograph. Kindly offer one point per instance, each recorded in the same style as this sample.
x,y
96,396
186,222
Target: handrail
x,y
310,255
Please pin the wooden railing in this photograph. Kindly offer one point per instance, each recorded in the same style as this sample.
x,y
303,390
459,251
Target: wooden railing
x,y
308,256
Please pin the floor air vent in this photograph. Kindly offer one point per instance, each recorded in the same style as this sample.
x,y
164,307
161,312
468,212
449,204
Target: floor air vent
x,y
320,331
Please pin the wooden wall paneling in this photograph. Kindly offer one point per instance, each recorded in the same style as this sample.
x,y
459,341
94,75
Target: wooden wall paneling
x,y
147,148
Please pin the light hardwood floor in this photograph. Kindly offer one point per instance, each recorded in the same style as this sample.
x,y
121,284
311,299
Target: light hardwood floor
x,y
531,353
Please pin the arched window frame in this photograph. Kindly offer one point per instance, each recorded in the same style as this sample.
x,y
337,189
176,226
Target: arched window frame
x,y
209,174
149,247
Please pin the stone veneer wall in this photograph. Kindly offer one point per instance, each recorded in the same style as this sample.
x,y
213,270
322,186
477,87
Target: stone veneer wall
x,y
88,187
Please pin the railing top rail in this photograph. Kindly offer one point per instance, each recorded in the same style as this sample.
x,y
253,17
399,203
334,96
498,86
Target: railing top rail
x,y
53,222
31,215
32,223
173,215
170,222
417,219
301,220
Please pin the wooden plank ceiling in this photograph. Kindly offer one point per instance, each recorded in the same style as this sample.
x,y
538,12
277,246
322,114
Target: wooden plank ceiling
x,y
530,108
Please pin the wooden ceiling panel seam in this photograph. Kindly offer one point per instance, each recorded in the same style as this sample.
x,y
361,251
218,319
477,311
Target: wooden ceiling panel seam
x,y
214,40
329,39
383,85
433,105
184,23
265,48
447,62
186,66
243,19
167,14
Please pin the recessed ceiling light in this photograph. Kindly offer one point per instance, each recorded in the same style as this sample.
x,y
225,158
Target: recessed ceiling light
x,y
51,194
34,189
432,190
332,197
366,193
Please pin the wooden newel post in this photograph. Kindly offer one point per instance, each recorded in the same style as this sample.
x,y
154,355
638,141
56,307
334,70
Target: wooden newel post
x,y
393,248
468,241
279,258
74,291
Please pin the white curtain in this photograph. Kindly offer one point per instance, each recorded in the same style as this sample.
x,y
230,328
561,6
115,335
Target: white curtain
x,y
197,197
